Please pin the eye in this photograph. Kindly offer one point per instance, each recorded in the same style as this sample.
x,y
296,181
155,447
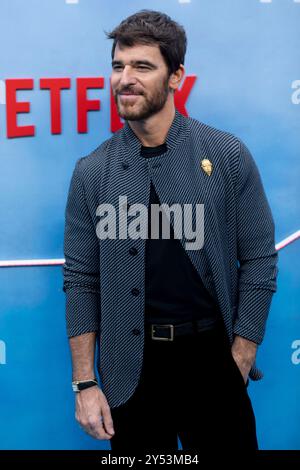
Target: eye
x,y
143,67
117,67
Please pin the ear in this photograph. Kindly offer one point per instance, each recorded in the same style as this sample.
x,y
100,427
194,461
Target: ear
x,y
176,78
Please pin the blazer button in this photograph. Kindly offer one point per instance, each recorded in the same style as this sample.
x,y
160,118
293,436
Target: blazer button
x,y
133,251
136,331
125,165
135,291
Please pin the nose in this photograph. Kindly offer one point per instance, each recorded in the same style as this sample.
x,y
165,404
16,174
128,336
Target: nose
x,y
127,77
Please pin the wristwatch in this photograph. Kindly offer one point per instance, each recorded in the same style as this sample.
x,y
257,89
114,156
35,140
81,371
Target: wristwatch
x,y
79,385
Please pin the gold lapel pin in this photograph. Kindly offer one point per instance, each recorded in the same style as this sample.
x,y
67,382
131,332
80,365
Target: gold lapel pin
x,y
206,166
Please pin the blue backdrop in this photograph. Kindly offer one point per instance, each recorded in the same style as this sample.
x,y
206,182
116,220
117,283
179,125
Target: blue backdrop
x,y
246,58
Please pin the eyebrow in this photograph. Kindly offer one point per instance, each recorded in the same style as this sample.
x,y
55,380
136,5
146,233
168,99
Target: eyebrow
x,y
135,62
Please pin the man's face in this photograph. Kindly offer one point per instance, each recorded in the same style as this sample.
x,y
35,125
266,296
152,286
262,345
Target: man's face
x,y
140,81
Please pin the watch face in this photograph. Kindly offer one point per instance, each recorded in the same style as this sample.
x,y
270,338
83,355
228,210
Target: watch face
x,y
75,387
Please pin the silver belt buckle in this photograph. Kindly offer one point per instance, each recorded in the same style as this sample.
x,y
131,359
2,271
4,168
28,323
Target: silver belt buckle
x,y
159,338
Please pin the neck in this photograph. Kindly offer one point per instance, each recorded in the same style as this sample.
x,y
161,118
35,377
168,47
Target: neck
x,y
153,130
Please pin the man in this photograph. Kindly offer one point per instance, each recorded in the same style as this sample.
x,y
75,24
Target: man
x,y
177,326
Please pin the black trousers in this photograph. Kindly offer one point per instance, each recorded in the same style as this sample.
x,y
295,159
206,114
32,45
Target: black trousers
x,y
191,388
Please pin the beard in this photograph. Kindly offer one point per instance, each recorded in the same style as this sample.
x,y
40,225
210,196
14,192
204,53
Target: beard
x,y
151,103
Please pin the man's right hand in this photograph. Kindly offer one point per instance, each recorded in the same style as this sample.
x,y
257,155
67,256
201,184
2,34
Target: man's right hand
x,y
93,413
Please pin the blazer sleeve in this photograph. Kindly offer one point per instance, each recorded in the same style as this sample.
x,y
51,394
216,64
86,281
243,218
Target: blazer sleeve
x,y
257,256
81,281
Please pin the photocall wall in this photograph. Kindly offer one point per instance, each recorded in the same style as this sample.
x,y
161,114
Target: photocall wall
x,y
242,76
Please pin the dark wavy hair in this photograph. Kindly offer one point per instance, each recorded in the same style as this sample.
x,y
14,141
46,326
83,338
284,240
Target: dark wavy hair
x,y
152,27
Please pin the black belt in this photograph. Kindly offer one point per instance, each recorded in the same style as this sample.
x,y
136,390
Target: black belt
x,y
167,332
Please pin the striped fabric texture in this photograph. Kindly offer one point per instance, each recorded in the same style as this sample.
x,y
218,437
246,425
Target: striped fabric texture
x,y
105,284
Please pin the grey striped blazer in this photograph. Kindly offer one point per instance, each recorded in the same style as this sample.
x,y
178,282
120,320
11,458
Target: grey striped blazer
x,y
104,283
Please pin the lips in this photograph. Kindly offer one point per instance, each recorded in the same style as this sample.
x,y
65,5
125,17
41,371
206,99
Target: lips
x,y
128,97
128,94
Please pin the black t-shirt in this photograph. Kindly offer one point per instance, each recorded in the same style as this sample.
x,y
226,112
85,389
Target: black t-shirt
x,y
174,290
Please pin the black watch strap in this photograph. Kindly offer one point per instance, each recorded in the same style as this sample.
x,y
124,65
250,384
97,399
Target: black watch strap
x,y
79,385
